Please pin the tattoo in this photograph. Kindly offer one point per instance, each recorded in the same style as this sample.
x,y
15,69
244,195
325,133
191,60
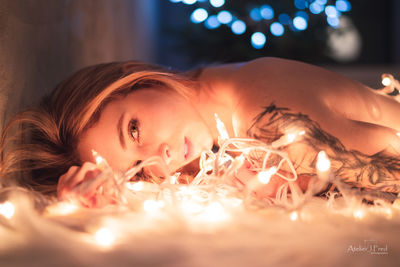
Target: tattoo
x,y
380,171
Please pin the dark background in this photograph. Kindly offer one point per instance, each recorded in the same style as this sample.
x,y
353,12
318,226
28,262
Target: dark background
x,y
185,43
44,41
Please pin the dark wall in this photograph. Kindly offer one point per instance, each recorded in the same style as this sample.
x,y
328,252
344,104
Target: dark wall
x,y
43,41
378,23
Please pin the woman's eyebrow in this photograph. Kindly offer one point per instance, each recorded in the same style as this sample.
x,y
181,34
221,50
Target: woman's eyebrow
x,y
120,132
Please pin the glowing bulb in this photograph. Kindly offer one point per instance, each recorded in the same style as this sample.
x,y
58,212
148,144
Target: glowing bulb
x,y
386,81
217,3
212,22
294,216
238,27
267,12
189,2
199,15
323,163
224,17
388,212
265,176
300,23
277,29
104,237
135,186
7,209
258,40
100,161
152,206
358,214
291,137
223,133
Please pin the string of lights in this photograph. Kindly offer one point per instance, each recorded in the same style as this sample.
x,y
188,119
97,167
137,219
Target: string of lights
x,y
212,198
213,14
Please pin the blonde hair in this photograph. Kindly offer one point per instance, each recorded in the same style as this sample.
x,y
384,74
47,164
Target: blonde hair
x,y
39,145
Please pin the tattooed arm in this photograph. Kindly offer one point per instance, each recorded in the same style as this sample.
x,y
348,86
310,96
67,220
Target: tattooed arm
x,y
380,171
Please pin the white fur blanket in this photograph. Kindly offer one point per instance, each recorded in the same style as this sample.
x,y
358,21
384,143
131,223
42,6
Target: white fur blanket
x,y
267,236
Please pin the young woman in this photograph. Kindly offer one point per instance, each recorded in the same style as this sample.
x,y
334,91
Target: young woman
x,y
129,111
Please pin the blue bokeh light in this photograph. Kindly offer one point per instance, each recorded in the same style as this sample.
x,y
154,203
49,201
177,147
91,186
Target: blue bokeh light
x,y
189,2
255,14
238,27
316,8
331,11
300,4
321,2
267,12
258,40
199,15
300,23
224,17
175,1
334,22
284,19
212,22
277,29
217,3
343,5
302,14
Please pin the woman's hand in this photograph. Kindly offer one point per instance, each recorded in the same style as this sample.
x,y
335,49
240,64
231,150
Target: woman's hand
x,y
248,179
79,183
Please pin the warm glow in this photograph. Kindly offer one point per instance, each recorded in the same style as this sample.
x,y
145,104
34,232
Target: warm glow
x,y
294,216
135,186
214,212
386,81
62,208
7,209
358,214
191,207
152,206
265,176
291,137
388,212
104,237
99,159
223,133
323,163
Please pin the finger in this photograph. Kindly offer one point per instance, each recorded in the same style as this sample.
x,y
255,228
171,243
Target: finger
x,y
104,187
87,171
63,180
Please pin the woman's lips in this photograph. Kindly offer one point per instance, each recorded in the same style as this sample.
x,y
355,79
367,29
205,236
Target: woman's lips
x,y
187,149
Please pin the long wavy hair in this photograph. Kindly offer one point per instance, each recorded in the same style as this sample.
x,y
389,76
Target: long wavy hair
x,y
39,144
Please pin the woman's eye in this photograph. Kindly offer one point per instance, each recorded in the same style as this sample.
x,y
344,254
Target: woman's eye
x,y
133,130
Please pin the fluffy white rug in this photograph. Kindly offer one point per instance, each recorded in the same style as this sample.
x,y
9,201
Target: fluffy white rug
x,y
315,235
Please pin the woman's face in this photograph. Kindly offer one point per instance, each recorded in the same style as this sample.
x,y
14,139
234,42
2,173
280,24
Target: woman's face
x,y
147,122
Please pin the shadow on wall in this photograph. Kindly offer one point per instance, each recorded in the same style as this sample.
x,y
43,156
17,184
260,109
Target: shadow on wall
x,y
42,42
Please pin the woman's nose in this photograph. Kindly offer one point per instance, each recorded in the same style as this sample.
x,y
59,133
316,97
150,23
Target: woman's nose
x,y
164,151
